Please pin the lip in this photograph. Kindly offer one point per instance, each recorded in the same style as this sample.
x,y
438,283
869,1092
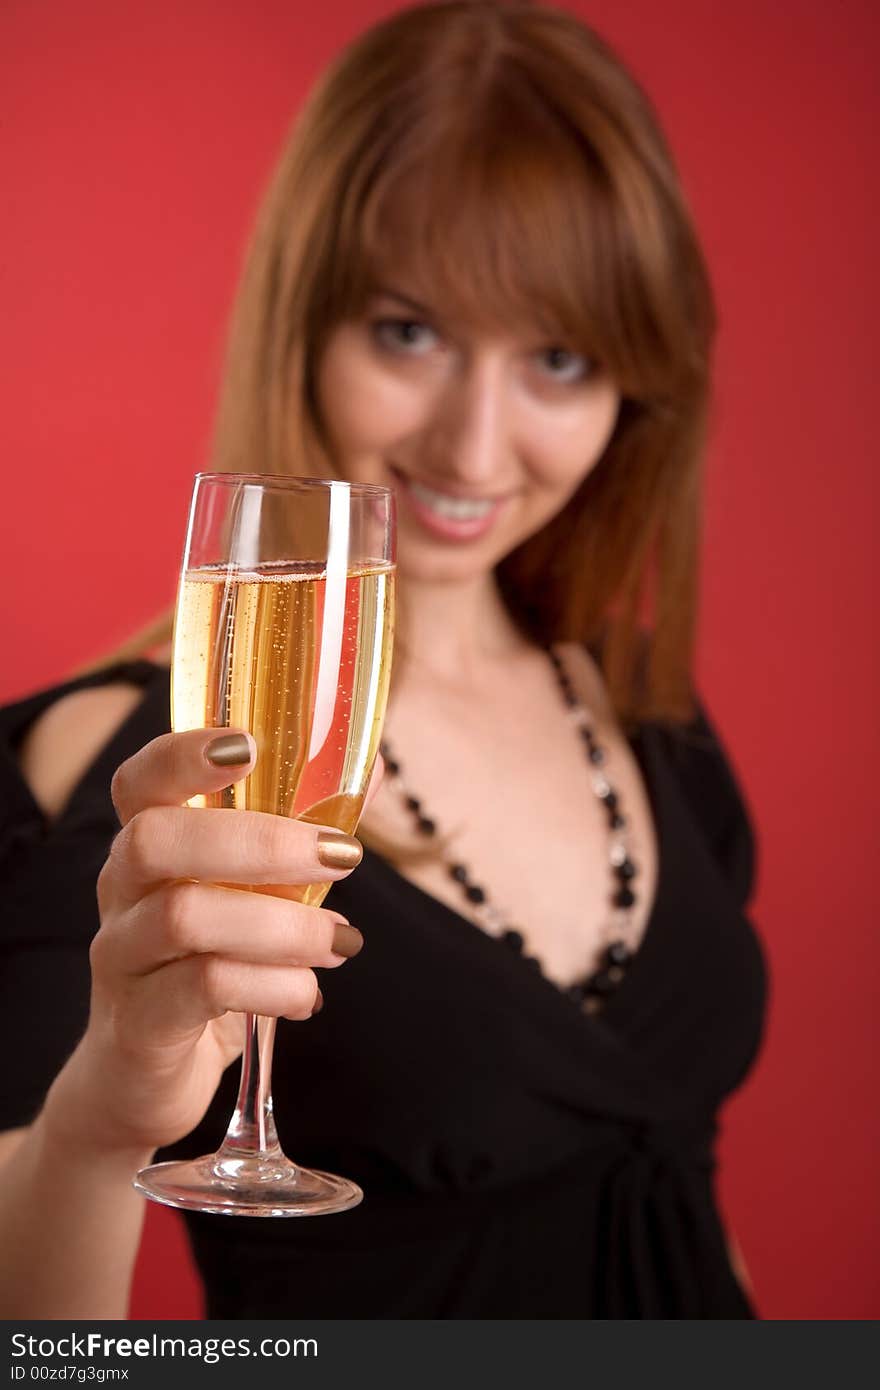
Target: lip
x,y
447,527
449,489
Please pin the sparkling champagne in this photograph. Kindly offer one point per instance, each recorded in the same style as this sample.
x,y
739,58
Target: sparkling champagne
x,y
296,651
303,666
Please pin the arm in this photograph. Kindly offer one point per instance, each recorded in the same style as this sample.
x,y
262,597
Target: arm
x,y
70,1221
69,1217
175,959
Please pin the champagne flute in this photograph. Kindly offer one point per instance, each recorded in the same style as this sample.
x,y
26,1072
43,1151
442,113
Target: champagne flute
x,y
283,627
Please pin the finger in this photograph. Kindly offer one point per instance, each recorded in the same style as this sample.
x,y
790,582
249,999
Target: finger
x,y
174,1003
222,846
187,918
175,767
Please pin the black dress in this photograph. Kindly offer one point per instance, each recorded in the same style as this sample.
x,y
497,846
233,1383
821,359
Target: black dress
x,y
519,1157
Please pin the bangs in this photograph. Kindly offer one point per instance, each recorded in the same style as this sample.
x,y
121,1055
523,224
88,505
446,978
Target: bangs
x,y
506,218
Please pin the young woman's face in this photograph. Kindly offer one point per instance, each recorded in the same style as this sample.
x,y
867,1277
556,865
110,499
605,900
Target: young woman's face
x,y
483,435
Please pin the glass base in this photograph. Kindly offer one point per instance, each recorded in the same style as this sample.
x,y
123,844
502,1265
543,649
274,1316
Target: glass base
x,y
246,1187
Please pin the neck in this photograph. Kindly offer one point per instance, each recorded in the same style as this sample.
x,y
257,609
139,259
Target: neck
x,y
456,633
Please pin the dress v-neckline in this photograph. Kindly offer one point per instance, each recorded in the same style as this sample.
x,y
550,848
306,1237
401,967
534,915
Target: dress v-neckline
x,y
531,967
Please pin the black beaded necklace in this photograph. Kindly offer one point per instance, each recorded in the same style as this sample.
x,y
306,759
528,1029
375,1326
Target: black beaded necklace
x,y
588,994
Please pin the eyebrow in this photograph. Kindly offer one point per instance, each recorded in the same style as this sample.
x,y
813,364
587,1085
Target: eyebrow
x,y
386,292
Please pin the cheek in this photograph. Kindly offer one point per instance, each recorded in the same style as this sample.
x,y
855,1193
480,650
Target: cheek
x,y
568,443
363,408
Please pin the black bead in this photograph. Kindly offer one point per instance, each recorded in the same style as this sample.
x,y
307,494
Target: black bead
x,y
617,821
569,696
413,804
618,953
513,939
459,873
610,799
597,756
393,767
624,897
626,871
577,993
602,984
475,894
426,825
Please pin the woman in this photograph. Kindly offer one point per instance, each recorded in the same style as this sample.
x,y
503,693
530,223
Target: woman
x,y
474,280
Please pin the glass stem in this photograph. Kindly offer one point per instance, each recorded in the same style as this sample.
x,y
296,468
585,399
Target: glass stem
x,y
251,1141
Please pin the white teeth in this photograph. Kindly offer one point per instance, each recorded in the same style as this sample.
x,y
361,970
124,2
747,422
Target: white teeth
x,y
457,508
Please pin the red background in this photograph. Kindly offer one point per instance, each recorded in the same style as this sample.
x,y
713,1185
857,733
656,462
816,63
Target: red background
x,y
136,141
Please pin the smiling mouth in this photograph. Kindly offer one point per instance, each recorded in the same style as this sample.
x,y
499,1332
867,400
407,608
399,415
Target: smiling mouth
x,y
456,508
447,504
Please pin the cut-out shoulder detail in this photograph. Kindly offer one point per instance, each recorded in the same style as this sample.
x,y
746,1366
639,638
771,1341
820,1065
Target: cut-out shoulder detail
x,y
62,744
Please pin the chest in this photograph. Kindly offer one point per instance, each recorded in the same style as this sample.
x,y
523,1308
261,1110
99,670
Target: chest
x,y
513,798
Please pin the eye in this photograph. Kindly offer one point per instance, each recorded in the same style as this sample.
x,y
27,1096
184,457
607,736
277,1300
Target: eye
x,y
404,336
559,364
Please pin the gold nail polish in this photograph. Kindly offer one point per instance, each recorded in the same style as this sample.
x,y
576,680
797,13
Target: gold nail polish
x,y
338,851
347,940
230,750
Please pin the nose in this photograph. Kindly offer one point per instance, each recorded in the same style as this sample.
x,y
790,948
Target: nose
x,y
472,426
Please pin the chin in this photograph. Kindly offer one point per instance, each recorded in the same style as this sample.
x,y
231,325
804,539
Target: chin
x,y
430,563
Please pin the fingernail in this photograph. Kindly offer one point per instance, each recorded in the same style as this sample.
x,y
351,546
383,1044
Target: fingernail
x,y
232,750
347,940
338,851
318,1004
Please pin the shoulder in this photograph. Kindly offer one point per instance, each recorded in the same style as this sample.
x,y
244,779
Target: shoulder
x,y
696,756
65,740
693,756
52,738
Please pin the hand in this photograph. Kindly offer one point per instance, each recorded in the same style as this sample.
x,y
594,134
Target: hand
x,y
179,957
